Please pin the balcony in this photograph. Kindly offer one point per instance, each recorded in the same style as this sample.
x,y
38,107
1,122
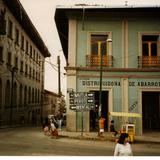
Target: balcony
x,y
94,60
148,61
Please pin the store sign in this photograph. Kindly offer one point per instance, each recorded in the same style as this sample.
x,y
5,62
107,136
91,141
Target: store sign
x,y
81,101
104,83
146,83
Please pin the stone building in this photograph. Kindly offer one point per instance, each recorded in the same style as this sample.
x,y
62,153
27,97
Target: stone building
x,y
22,55
50,103
53,104
119,48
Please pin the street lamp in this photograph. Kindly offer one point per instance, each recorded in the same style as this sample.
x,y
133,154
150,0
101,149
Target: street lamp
x,y
59,77
101,71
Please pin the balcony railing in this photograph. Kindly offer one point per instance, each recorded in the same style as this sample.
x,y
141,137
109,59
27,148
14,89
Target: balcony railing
x,y
149,61
94,60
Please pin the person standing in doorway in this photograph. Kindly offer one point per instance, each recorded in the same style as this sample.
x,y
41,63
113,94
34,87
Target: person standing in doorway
x,y
123,148
101,126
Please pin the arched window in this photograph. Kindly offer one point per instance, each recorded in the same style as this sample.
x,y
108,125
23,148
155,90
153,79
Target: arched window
x,y
7,94
20,95
15,95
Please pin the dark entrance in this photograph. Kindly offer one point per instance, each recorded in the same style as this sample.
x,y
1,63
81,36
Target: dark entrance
x,y
94,113
151,111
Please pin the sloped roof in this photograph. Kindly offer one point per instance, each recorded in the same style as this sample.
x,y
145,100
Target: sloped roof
x,y
21,16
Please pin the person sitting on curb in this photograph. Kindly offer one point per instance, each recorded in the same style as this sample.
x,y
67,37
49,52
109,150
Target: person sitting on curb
x,y
54,132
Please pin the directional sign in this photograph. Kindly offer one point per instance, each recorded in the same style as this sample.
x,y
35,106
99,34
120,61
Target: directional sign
x,y
81,101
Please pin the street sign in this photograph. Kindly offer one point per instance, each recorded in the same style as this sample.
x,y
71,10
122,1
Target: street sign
x,y
81,101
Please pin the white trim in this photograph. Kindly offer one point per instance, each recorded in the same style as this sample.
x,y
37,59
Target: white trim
x,y
72,42
124,94
124,43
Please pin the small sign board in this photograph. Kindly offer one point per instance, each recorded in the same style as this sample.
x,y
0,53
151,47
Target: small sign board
x,y
81,101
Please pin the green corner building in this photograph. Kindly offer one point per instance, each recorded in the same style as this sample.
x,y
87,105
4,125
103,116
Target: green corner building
x,y
127,40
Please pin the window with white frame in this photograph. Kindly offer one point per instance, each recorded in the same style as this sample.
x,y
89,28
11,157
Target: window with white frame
x,y
150,50
150,45
99,44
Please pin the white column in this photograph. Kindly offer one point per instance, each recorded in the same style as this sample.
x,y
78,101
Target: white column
x,y
72,43
124,82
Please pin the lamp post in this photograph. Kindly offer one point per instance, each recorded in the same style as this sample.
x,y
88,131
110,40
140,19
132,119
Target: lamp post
x,y
100,81
101,71
59,76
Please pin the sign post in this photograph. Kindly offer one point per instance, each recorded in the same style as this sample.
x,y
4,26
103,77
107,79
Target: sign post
x,y
82,101
82,124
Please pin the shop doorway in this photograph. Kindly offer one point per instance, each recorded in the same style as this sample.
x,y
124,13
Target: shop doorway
x,y
151,111
94,116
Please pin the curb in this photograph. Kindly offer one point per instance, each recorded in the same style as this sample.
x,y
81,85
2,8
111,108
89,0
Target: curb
x,y
137,141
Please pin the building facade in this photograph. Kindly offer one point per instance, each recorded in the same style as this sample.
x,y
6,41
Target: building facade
x,y
22,55
53,104
127,40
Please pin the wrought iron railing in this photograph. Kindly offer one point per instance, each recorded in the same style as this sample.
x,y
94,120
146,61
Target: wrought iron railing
x,y
94,60
149,61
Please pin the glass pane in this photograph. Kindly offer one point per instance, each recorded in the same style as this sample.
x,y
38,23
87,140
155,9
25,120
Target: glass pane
x,y
145,49
154,49
94,49
94,43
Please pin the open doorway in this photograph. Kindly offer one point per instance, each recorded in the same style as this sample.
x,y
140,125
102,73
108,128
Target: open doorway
x,y
151,111
94,113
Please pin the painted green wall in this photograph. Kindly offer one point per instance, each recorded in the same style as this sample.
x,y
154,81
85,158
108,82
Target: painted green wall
x,y
100,26
139,26
108,25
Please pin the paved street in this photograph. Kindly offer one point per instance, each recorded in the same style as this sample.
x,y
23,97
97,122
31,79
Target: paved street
x,y
32,141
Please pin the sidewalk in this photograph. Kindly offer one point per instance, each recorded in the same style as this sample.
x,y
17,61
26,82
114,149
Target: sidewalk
x,y
152,137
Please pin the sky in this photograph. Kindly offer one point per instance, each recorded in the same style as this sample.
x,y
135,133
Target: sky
x,y
41,13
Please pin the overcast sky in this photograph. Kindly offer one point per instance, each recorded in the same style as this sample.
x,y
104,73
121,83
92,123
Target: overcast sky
x,y
41,13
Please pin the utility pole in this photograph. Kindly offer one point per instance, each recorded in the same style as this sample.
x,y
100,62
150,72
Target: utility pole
x,y
59,76
100,84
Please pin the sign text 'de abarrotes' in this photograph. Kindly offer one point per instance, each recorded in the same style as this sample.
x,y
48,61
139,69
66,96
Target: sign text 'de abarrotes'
x,y
81,101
